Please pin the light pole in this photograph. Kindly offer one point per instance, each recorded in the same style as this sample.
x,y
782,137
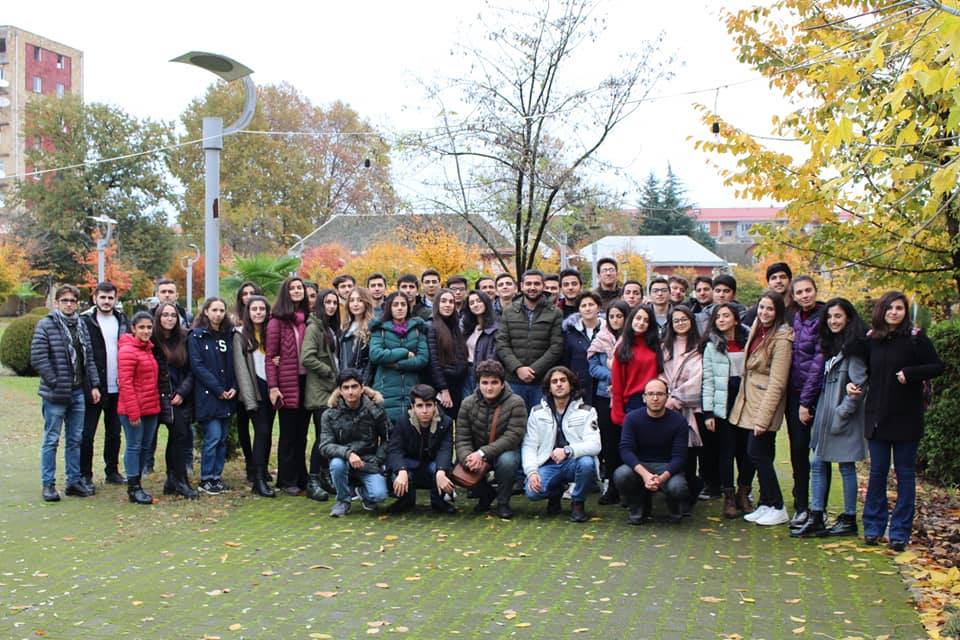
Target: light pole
x,y
213,132
187,263
296,249
102,243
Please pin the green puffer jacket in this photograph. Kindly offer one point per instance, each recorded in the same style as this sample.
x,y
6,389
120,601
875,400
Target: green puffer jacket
x,y
362,431
537,343
321,365
472,430
397,373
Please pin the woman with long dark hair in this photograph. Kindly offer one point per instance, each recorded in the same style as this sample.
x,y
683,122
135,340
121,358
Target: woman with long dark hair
x,y
480,324
250,365
683,371
723,361
637,360
319,358
600,355
762,401
837,431
176,395
286,379
210,345
398,349
247,289
354,346
448,352
900,358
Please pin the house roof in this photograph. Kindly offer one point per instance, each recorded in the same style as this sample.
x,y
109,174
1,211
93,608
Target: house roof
x,y
738,214
656,250
358,232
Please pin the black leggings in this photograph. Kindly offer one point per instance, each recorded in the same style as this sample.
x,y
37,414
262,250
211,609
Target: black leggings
x,y
179,438
292,446
262,430
733,446
243,436
763,451
318,463
609,438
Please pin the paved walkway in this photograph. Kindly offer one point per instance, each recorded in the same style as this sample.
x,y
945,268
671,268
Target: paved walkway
x,y
239,567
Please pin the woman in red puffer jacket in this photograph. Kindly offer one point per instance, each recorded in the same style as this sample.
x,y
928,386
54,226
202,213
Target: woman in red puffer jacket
x,y
138,403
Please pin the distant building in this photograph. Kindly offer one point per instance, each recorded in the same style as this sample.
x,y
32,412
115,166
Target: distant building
x,y
662,254
732,228
31,65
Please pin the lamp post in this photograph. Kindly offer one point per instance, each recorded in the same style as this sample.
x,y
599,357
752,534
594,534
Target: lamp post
x,y
102,243
213,132
296,249
187,263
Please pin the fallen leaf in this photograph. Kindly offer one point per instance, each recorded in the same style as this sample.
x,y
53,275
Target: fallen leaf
x,y
711,599
509,614
373,631
326,594
522,624
905,557
617,564
798,620
320,636
268,573
581,630
382,585
321,566
231,543
391,537
519,593
412,578
792,601
378,623
137,603
799,630
236,626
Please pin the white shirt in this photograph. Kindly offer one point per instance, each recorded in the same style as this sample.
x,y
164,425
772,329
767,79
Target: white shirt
x,y
110,328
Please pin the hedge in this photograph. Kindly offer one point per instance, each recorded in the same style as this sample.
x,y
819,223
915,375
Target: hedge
x,y
939,455
15,344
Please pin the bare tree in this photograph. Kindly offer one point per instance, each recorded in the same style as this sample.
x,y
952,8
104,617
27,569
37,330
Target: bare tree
x,y
516,136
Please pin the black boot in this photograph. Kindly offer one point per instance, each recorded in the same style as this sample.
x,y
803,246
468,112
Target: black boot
x,y
169,487
846,525
183,488
260,486
314,490
610,496
135,492
403,504
812,527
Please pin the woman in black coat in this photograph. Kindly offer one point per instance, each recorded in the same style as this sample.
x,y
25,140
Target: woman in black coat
x,y
448,352
480,326
900,359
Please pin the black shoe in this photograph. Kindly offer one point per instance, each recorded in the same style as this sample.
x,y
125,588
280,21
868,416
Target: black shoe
x,y
709,493
135,492
402,505
50,493
577,512
896,545
88,483
846,525
799,519
315,490
368,505
638,515
554,505
261,488
168,488
504,511
210,487
114,477
184,489
251,475
610,496
218,483
486,496
871,540
79,490
446,507
813,527
675,518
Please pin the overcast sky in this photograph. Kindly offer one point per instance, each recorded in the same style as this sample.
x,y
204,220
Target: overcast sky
x,y
371,55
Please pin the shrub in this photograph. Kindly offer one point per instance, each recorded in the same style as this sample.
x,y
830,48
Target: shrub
x,y
15,344
39,311
939,455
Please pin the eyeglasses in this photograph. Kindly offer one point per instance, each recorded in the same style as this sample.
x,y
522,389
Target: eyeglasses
x,y
608,270
681,320
458,289
659,290
655,394
68,300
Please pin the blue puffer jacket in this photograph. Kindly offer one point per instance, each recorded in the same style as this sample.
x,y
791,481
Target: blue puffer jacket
x,y
575,346
397,373
211,360
806,367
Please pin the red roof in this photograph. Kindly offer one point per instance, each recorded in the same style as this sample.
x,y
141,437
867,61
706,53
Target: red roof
x,y
738,214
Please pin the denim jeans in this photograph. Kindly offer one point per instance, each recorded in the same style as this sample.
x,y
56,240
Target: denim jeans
x,y
420,476
875,506
214,453
140,440
70,417
531,393
762,450
820,485
373,486
554,478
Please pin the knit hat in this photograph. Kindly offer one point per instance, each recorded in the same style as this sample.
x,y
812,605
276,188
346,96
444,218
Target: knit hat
x,y
777,267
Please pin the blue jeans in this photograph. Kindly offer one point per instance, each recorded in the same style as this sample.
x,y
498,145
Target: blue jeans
x,y
373,485
582,472
56,415
214,453
820,485
531,393
140,441
875,507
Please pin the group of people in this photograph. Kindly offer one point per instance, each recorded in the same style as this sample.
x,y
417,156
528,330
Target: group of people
x,y
548,391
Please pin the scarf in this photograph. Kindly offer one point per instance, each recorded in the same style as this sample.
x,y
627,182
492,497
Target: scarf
x,y
603,342
71,328
401,328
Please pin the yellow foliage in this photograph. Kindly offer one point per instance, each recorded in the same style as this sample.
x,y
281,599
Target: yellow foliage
x,y
14,268
632,267
392,259
444,252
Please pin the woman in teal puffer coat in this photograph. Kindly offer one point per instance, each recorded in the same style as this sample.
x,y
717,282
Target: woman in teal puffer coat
x,y
399,353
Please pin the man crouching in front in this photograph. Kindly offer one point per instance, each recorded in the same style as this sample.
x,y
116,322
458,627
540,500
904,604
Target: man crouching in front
x,y
353,437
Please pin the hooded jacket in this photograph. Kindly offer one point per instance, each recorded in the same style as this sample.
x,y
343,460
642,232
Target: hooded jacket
x,y
284,338
762,399
397,373
598,357
579,428
97,343
320,361
576,344
137,378
407,440
361,430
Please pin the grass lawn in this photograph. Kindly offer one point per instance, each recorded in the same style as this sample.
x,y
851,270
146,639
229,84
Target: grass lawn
x,y
236,566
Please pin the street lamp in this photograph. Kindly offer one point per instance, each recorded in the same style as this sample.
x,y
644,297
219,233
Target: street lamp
x,y
102,243
213,132
296,249
187,263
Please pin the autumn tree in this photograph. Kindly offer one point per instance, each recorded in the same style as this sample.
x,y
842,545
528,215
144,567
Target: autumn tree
x,y
295,166
518,135
868,164
99,161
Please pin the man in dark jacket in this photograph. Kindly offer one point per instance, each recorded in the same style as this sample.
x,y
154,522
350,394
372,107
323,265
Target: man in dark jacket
x,y
420,453
61,355
480,442
105,324
353,437
530,339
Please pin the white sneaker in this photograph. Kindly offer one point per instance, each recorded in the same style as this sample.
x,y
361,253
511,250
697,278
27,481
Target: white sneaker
x,y
773,517
757,513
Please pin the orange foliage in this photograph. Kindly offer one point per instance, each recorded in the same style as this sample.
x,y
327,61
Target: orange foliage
x,y
14,267
178,274
389,258
115,270
445,252
321,263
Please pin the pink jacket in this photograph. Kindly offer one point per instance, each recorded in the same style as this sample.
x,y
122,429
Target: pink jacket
x,y
683,373
285,339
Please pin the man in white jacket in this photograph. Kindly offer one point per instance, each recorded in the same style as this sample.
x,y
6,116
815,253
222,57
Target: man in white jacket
x,y
554,457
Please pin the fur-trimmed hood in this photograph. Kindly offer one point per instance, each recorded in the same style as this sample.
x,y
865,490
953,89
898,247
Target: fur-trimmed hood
x,y
370,393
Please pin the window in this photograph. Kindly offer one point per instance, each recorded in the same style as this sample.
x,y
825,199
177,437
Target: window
x,y
37,54
60,89
3,45
743,229
37,84
59,61
3,73
727,233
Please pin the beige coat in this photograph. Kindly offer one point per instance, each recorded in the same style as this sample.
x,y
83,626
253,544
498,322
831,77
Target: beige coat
x,y
762,399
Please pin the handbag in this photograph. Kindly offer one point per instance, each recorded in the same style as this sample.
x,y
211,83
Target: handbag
x,y
464,477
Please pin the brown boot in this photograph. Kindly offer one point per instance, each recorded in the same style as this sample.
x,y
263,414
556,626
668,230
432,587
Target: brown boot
x,y
743,500
730,504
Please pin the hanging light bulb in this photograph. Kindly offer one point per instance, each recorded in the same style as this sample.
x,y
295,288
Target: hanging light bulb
x,y
366,162
715,127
